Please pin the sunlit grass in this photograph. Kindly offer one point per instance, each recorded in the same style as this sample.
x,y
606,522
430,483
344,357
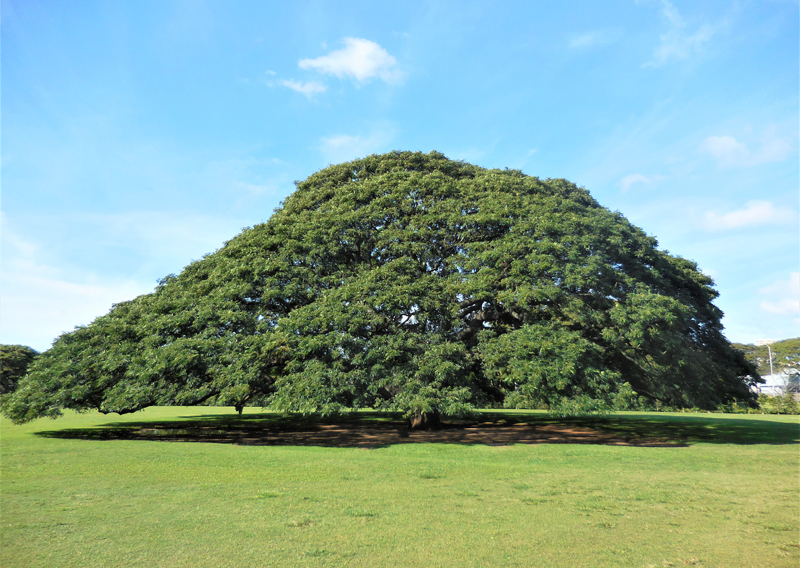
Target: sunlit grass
x,y
727,496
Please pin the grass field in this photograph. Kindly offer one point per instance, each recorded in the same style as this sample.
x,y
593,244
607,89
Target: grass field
x,y
201,487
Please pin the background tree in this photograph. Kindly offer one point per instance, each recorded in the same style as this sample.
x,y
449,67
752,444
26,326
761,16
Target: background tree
x,y
14,362
410,282
785,356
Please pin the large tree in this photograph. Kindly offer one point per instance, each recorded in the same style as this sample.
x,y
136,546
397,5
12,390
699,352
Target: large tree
x,y
409,282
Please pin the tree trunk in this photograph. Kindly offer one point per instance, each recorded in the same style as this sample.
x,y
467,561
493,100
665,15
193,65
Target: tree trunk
x,y
425,421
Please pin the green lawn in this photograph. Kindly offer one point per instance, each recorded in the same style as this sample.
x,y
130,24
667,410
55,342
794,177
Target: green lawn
x,y
173,487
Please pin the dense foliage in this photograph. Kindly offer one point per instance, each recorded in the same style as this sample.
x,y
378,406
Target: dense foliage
x,y
14,362
410,282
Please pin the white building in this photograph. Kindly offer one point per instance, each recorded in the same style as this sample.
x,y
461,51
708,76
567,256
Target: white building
x,y
775,385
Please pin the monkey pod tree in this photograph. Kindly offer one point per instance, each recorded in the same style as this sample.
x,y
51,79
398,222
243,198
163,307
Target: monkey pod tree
x,y
409,282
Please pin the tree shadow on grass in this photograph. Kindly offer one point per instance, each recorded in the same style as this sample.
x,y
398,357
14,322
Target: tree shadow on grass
x,y
373,430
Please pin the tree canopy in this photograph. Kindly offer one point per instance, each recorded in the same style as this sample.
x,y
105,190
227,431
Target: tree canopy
x,y
409,282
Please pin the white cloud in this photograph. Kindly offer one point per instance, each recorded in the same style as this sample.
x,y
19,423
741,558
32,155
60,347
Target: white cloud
x,y
629,180
309,89
49,287
15,243
726,149
360,59
343,147
774,150
676,43
38,303
784,296
585,40
592,39
730,152
754,213
260,189
671,13
162,236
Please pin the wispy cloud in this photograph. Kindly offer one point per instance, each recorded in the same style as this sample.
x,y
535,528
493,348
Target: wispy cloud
x,y
343,147
730,152
38,303
726,149
677,43
261,189
628,181
592,39
308,89
360,59
783,296
48,289
754,213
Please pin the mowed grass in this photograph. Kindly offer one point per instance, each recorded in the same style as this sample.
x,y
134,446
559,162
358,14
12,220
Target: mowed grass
x,y
76,492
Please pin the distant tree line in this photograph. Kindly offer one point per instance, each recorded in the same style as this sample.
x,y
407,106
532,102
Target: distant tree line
x,y
14,362
785,356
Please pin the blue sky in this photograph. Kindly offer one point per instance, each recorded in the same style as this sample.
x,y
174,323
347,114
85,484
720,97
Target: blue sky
x,y
139,135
